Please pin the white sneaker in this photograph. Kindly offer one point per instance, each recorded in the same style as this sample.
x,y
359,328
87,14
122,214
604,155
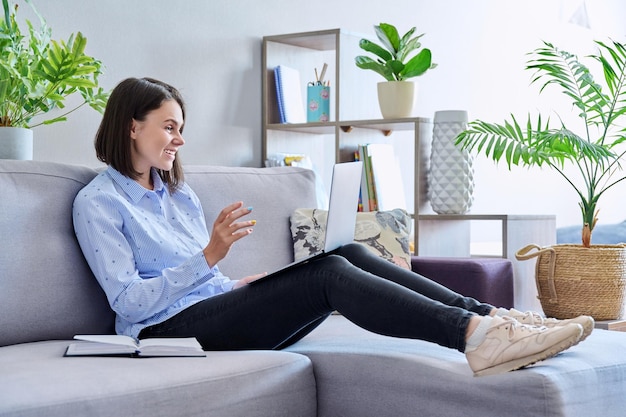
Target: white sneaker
x,y
510,345
535,319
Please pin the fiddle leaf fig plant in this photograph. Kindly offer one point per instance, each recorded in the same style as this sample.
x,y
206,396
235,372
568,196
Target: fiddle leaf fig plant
x,y
38,74
393,58
595,151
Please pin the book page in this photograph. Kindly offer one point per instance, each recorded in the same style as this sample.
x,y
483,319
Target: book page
x,y
99,349
179,343
188,346
114,339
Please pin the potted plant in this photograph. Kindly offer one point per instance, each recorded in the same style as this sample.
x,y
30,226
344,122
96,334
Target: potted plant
x,y
37,75
397,59
595,151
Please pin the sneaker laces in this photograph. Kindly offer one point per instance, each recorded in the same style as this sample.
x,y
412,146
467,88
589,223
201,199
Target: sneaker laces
x,y
516,326
535,319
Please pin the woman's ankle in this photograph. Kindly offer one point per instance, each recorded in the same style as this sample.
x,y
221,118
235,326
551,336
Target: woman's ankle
x,y
476,331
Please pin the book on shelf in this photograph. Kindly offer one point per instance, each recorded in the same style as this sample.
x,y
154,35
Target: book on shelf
x,y
357,157
289,95
382,187
387,177
368,193
120,345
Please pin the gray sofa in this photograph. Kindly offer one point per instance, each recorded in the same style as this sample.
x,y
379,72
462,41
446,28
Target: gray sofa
x,y
48,294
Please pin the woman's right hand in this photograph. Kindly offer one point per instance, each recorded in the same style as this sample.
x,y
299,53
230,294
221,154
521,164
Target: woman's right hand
x,y
226,231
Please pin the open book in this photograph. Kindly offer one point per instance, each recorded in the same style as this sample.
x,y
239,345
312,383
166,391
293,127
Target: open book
x,y
119,345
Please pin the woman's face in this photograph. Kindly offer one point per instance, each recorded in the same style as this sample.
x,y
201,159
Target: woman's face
x,y
156,140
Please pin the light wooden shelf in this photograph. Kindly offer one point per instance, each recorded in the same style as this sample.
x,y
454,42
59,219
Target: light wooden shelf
x,y
321,40
386,126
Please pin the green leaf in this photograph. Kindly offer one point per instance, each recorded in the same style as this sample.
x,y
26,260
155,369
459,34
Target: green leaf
x,y
388,35
365,62
80,82
417,65
55,120
78,45
410,46
396,68
369,46
7,10
406,38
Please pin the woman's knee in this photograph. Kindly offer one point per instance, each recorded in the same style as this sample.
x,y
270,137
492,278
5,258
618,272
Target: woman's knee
x,y
353,249
337,266
334,262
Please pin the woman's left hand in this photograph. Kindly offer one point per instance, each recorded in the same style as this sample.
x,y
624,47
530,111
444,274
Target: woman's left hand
x,y
245,281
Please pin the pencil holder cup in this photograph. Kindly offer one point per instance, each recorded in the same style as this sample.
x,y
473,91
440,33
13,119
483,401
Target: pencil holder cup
x,y
318,103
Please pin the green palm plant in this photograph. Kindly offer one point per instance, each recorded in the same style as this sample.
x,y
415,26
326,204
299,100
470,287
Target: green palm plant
x,y
393,59
37,74
596,152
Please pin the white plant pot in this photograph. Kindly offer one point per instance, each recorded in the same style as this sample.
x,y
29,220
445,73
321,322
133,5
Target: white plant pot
x,y
16,143
396,98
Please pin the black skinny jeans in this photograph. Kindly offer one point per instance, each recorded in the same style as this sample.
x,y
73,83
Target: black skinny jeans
x,y
371,292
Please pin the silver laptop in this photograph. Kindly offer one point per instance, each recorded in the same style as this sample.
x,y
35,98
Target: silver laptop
x,y
342,208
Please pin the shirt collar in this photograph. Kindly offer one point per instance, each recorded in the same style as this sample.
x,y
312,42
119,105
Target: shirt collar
x,y
132,188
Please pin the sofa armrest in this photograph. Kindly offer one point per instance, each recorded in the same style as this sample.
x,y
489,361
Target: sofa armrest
x,y
489,280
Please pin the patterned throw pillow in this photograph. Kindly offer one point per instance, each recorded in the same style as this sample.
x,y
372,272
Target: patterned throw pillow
x,y
385,233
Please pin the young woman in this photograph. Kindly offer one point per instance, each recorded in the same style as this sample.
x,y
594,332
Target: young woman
x,y
143,232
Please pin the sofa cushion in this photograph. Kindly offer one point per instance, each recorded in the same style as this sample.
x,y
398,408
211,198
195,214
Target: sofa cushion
x,y
360,373
47,289
36,380
274,193
384,233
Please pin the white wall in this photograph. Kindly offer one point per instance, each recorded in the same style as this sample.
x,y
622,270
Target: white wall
x,y
211,50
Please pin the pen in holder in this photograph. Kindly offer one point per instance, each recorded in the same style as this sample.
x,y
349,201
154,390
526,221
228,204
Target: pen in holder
x,y
318,102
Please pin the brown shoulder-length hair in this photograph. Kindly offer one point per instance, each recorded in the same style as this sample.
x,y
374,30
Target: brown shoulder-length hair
x,y
134,98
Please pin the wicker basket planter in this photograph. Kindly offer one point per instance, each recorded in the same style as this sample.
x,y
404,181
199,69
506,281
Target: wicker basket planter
x,y
573,280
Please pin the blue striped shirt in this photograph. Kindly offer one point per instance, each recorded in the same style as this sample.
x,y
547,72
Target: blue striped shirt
x,y
145,248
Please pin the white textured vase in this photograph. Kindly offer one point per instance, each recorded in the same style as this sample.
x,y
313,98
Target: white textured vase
x,y
16,143
451,178
396,98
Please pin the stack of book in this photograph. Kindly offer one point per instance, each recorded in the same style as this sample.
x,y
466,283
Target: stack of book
x,y
381,184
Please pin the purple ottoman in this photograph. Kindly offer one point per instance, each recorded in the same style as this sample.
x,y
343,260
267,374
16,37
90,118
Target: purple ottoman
x,y
489,280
